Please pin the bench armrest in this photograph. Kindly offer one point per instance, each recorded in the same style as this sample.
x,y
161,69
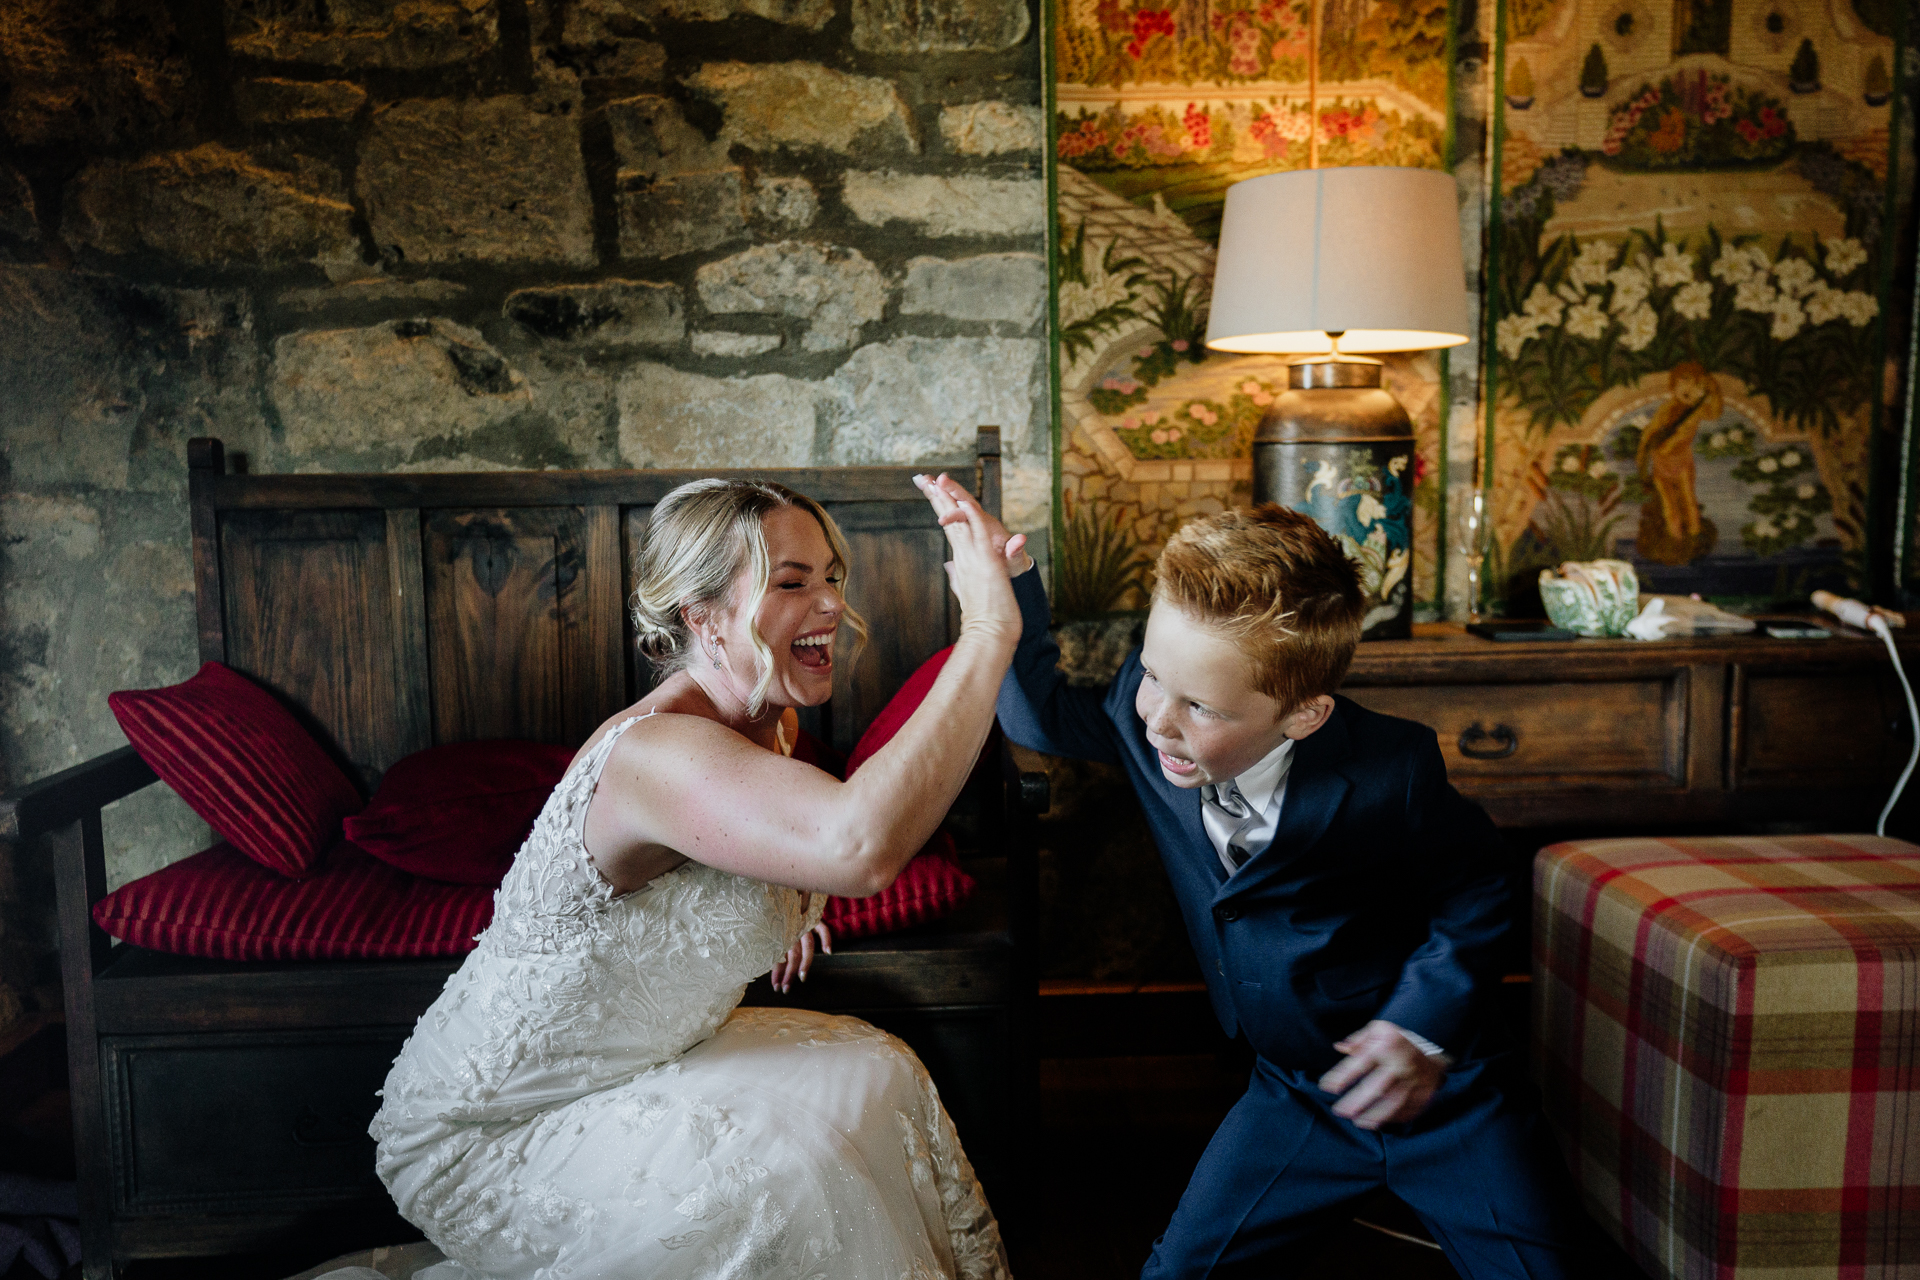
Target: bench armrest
x,y
67,796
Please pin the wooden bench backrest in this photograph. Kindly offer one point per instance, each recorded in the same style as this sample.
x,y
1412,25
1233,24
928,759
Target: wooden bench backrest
x,y
397,612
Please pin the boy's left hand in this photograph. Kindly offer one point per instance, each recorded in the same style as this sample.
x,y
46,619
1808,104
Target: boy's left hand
x,y
1395,1080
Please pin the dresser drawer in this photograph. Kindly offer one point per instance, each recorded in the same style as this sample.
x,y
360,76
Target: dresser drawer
x,y
1818,728
1627,734
243,1122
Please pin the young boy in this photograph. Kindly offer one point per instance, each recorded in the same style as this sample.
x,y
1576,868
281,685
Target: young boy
x,y
1345,903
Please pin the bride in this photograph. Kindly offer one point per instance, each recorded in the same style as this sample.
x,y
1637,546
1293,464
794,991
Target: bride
x,y
585,1099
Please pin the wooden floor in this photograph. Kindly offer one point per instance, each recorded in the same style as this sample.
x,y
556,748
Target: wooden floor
x,y
1120,1137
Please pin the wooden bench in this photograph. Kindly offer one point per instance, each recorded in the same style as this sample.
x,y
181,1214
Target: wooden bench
x,y
222,1107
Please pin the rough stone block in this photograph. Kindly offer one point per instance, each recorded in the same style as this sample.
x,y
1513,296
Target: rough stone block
x,y
834,290
963,205
677,192
803,104
105,379
207,206
938,26
923,399
272,101
993,286
672,216
674,419
360,34
388,387
789,203
598,38
423,294
622,16
93,75
719,342
18,218
651,138
629,313
482,180
992,128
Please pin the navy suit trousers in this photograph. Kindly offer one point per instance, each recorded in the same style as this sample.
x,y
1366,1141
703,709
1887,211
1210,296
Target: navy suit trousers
x,y
1478,1168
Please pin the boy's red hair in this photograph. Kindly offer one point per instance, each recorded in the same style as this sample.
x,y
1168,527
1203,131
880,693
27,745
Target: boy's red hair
x,y
1276,584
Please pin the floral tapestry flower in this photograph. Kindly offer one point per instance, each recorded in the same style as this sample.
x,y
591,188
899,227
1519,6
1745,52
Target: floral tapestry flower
x,y
1513,333
1587,320
1544,306
1672,267
1788,317
1694,301
1148,23
1756,293
1593,264
1630,287
1844,256
1794,276
1859,308
1638,327
1199,126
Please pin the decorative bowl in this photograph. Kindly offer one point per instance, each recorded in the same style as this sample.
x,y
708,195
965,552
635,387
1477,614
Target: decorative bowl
x,y
1591,597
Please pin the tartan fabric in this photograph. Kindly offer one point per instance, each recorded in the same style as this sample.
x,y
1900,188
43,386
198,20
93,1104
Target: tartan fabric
x,y
1727,1035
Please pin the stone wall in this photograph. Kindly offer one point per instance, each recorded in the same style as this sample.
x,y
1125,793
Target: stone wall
x,y
455,234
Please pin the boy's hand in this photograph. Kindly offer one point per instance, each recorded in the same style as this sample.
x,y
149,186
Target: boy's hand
x,y
1012,546
1396,1080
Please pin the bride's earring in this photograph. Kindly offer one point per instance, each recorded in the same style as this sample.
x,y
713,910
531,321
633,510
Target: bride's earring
x,y
713,651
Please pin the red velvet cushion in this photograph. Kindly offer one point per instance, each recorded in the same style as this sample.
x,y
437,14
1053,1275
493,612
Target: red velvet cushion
x,y
220,906
932,885
459,812
243,763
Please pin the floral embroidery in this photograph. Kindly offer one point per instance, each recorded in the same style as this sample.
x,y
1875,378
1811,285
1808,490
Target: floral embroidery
x,y
550,1114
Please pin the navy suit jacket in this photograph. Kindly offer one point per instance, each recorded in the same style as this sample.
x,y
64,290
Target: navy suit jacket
x,y
1382,895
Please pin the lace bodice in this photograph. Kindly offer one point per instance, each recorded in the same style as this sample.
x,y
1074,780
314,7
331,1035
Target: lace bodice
x,y
574,987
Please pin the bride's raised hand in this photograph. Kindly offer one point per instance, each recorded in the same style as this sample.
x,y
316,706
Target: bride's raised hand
x,y
981,554
1011,545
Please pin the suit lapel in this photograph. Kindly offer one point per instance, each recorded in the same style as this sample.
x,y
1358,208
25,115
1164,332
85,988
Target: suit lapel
x,y
1315,788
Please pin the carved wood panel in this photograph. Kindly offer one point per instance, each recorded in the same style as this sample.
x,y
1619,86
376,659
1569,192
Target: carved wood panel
x,y
309,610
523,643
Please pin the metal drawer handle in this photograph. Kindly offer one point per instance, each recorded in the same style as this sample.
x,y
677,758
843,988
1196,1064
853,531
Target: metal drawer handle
x,y
1505,741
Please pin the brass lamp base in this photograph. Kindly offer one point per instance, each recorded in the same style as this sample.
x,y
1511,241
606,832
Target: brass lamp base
x,y
1337,446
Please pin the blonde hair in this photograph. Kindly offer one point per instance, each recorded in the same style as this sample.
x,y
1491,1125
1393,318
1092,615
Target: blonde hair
x,y
1278,586
700,540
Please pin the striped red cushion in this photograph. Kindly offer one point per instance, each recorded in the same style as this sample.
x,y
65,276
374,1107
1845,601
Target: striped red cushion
x,y
220,905
931,886
243,763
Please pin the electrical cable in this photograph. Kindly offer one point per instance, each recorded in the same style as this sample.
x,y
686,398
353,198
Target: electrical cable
x,y
1878,625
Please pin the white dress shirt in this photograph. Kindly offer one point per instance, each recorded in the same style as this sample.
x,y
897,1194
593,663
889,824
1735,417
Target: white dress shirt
x,y
1263,788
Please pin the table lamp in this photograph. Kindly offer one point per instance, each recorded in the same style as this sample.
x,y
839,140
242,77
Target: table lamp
x,y
1330,263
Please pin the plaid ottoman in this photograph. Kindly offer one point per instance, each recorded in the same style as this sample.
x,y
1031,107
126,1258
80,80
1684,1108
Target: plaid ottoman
x,y
1727,1036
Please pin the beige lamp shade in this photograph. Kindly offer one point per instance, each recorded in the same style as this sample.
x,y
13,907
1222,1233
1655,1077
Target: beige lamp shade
x,y
1370,253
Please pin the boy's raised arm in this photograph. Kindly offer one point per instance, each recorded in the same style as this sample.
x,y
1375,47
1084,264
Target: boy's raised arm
x,y
1468,890
1038,708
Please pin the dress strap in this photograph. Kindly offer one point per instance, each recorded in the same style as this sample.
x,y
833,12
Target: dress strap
x,y
592,765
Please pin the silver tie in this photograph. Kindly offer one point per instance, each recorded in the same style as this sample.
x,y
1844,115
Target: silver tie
x,y
1226,799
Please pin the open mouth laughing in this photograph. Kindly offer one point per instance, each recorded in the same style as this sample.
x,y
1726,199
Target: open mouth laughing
x,y
814,650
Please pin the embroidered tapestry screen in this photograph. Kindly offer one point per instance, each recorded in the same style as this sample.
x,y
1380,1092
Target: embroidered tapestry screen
x,y
1688,251
1157,107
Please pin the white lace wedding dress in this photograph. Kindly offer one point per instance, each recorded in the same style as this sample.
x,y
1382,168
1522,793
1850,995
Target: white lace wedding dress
x,y
586,1100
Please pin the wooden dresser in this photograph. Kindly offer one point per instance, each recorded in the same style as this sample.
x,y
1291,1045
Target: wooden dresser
x,y
1627,733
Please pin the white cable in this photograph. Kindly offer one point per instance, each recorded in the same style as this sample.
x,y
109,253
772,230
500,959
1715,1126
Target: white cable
x,y
1878,625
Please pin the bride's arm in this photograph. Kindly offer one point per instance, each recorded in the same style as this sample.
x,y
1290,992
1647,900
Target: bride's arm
x,y
693,786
